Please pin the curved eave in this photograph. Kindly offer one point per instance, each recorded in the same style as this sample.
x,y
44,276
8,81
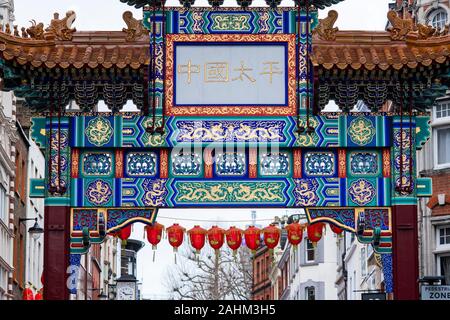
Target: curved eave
x,y
375,50
352,50
86,50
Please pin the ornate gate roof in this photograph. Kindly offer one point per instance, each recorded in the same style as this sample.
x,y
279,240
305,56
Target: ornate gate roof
x,y
61,51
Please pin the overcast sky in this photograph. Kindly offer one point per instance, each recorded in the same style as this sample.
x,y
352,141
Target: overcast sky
x,y
107,15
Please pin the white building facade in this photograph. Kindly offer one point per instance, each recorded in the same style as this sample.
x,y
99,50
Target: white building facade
x,y
7,174
434,161
35,210
313,269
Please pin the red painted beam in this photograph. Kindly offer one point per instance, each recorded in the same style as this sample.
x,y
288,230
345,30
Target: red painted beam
x,y
405,257
56,252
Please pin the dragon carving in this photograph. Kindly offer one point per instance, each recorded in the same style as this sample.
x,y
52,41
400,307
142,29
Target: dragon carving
x,y
325,29
36,31
62,29
400,27
135,27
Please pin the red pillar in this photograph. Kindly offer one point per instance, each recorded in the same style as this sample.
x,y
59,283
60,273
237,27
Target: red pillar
x,y
405,258
56,252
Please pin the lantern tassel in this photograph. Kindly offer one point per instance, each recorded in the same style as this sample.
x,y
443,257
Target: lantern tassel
x,y
154,252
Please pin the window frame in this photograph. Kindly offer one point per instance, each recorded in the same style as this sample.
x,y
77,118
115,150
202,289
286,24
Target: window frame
x,y
363,262
439,124
438,262
307,293
307,260
441,247
434,13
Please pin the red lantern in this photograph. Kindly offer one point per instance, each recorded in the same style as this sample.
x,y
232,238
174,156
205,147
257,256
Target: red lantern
x,y
294,233
124,233
336,229
175,234
216,238
271,236
234,238
38,296
315,231
252,238
197,236
154,235
27,294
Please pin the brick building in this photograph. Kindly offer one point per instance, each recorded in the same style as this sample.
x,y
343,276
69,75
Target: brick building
x,y
434,161
262,286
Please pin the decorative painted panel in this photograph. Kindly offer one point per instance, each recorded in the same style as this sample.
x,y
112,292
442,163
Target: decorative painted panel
x,y
326,132
364,163
204,193
365,131
231,20
246,107
188,164
311,192
97,164
231,130
230,164
141,164
402,156
320,164
113,220
347,218
144,192
58,158
275,164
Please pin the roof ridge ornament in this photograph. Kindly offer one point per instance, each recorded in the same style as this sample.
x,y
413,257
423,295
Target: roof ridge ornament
x,y
325,30
400,27
61,29
403,29
36,31
135,28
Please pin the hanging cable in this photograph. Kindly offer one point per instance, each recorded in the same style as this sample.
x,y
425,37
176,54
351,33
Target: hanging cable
x,y
161,127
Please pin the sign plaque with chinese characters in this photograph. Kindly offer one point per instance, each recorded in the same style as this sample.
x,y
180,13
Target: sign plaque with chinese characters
x,y
231,75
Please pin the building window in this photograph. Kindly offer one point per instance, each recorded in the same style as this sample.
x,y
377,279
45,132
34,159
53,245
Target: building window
x,y
443,110
444,266
3,205
310,293
443,146
363,262
444,236
438,19
310,251
441,134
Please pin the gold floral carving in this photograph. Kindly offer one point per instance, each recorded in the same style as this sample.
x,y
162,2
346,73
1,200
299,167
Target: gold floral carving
x,y
325,29
288,110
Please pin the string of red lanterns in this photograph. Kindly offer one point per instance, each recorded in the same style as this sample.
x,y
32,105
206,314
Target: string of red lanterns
x,y
234,237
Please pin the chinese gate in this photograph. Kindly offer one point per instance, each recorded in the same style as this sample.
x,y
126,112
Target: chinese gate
x,y
232,118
